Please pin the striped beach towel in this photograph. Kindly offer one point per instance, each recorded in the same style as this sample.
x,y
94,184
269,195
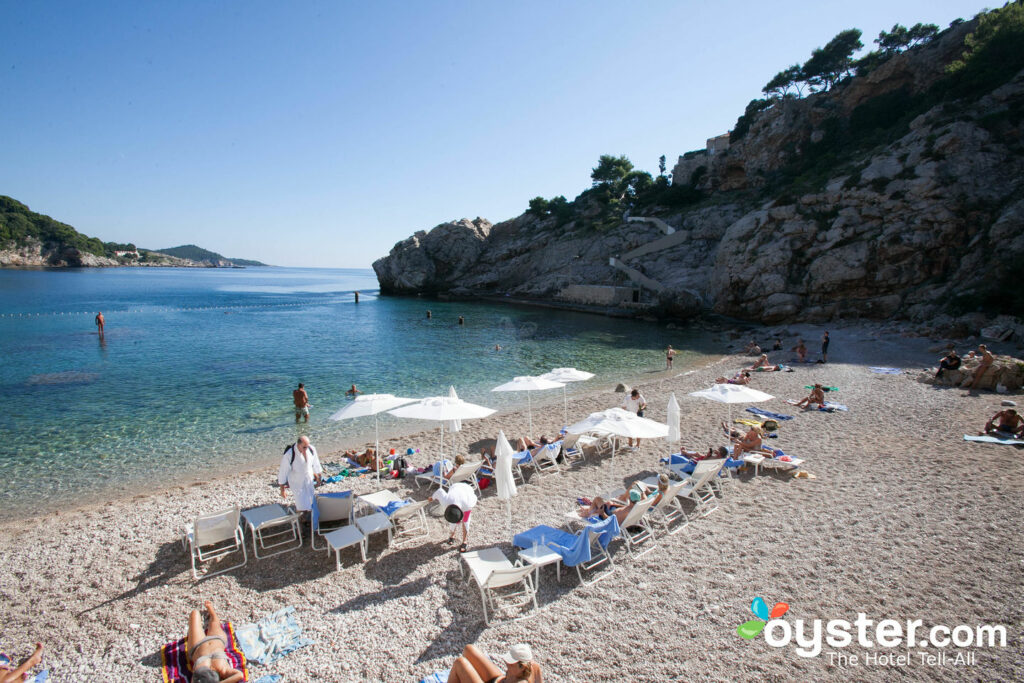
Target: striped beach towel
x,y
177,668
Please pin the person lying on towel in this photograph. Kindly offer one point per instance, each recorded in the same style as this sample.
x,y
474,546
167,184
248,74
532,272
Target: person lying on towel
x,y
474,667
762,365
1005,423
741,377
206,650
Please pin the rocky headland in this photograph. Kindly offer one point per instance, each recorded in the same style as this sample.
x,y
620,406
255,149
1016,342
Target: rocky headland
x,y
896,194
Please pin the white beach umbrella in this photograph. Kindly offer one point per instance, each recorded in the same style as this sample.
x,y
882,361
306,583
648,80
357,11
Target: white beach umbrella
x,y
441,409
732,393
673,419
371,404
529,384
621,423
504,482
453,425
565,375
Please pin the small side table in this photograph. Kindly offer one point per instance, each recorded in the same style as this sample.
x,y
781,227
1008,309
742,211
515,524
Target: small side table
x,y
342,538
539,556
274,523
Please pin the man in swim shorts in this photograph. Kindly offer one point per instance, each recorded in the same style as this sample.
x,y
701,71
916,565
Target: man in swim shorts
x,y
301,399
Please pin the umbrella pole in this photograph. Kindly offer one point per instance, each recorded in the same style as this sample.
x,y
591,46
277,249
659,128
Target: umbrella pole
x,y
376,445
442,440
565,408
529,412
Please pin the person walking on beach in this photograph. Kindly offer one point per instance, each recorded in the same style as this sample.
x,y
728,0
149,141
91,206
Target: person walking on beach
x,y
301,399
100,321
300,466
635,403
670,353
824,348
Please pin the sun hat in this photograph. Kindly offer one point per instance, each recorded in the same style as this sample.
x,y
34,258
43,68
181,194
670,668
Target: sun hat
x,y
518,653
453,513
635,495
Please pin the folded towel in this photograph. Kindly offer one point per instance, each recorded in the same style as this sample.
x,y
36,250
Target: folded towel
x,y
177,668
765,413
885,371
989,438
391,507
272,637
436,677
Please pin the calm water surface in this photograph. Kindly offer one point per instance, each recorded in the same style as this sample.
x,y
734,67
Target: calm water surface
x,y
197,366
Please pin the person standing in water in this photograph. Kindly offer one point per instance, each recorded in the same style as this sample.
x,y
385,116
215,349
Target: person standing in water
x,y
100,322
670,353
824,347
462,321
301,399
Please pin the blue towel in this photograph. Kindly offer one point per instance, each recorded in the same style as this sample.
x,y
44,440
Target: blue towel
x,y
540,535
885,371
522,456
269,678
272,637
437,677
436,471
391,507
576,553
607,529
729,462
990,438
765,413
316,510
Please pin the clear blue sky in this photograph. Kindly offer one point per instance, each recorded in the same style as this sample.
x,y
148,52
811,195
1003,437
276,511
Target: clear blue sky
x,y
321,133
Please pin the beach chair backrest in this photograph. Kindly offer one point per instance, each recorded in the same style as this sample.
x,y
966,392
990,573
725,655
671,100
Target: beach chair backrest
x,y
640,509
569,441
216,527
465,472
508,577
333,509
705,471
408,510
668,498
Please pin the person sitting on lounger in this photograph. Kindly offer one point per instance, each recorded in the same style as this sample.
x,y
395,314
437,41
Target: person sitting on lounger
x,y
598,507
206,650
801,350
762,365
1005,423
474,667
749,443
950,361
460,460
16,675
656,491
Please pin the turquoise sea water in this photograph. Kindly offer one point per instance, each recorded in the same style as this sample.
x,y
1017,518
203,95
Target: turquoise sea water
x,y
197,367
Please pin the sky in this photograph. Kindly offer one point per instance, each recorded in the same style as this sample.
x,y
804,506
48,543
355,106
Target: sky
x,y
321,133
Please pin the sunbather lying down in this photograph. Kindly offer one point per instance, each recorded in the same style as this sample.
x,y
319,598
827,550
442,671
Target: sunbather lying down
x,y
621,507
15,675
521,444
206,650
367,458
762,365
741,377
474,667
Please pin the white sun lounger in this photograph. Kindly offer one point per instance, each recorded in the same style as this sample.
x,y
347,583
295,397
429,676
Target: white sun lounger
x,y
491,571
465,472
213,536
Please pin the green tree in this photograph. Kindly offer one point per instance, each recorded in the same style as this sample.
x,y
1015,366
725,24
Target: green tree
x,y
661,166
780,84
993,51
561,209
830,64
610,170
894,40
539,207
922,33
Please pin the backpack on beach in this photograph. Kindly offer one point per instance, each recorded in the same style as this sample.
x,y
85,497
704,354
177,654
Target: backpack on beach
x,y
291,447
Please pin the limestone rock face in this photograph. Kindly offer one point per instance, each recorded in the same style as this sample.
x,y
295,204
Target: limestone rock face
x,y
433,261
35,255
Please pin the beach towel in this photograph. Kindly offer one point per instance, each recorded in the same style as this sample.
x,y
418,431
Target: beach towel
x,y
573,549
391,507
437,471
269,678
886,371
272,637
177,668
808,386
830,407
436,677
766,413
606,530
988,438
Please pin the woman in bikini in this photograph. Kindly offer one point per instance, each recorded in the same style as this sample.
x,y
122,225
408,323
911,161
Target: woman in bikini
x,y
474,667
210,664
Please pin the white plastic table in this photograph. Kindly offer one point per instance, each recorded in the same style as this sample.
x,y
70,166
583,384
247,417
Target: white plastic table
x,y
539,556
273,521
343,538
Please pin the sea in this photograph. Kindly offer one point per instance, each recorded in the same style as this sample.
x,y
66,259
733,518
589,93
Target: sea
x,y
194,374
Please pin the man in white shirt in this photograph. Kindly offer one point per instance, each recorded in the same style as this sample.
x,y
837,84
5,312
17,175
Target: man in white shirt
x,y
635,403
461,499
299,467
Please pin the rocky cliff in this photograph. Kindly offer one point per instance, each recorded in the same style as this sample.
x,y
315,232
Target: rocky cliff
x,y
888,196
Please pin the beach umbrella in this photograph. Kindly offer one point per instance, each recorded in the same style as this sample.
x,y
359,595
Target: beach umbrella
x,y
732,393
371,404
620,423
565,375
504,482
441,409
453,425
529,384
673,419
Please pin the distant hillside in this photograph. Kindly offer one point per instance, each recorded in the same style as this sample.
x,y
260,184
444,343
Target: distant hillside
x,y
30,239
194,253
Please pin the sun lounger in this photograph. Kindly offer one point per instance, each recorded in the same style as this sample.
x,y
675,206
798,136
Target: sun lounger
x,y
492,571
698,486
572,449
667,511
213,536
466,472
330,511
636,529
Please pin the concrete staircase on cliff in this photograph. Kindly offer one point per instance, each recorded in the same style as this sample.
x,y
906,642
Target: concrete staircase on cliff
x,y
672,238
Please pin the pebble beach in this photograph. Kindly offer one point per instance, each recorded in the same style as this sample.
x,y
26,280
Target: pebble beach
x,y
902,519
